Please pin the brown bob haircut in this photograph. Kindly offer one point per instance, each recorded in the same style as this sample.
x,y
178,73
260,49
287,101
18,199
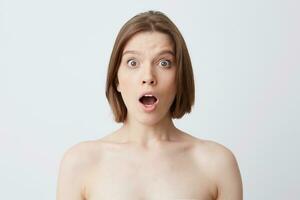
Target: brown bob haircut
x,y
148,22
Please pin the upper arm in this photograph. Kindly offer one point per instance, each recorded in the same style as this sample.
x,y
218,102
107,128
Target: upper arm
x,y
70,184
228,177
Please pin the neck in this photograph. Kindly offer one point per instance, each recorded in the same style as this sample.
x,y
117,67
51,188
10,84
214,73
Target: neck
x,y
146,135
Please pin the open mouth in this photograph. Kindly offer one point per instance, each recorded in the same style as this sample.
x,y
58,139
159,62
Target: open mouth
x,y
148,100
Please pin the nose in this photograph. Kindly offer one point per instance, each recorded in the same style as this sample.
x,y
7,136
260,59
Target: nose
x,y
149,81
148,76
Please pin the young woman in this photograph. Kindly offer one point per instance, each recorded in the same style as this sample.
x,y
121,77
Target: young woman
x,y
149,82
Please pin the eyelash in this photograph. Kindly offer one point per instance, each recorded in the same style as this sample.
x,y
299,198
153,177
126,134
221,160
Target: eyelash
x,y
167,60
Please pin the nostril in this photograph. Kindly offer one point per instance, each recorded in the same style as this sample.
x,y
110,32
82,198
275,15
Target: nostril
x,y
152,82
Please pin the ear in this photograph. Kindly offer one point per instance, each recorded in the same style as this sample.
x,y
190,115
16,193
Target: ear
x,y
118,86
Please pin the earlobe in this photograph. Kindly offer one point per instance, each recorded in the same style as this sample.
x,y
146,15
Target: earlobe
x,y
118,87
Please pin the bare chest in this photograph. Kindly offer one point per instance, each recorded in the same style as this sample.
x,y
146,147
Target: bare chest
x,y
174,177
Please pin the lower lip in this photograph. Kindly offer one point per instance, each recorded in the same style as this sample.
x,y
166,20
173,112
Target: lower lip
x,y
149,108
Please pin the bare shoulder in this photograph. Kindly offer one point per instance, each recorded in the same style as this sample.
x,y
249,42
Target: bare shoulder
x,y
73,168
79,154
217,156
223,169
82,155
217,152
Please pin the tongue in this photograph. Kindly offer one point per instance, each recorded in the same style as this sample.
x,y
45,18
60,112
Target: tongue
x,y
148,100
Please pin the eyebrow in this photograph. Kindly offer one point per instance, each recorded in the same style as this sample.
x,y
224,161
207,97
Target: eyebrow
x,y
160,53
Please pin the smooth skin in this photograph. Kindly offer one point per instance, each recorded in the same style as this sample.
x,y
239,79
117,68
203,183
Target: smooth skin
x,y
148,158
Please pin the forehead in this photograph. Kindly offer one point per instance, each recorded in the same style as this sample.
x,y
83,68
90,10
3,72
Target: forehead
x,y
146,42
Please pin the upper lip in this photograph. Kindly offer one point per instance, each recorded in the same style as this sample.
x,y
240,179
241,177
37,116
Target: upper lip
x,y
148,93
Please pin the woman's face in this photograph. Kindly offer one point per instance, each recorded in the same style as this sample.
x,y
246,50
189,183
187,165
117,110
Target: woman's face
x,y
148,66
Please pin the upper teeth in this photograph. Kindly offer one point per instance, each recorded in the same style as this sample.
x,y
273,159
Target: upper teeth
x,y
148,95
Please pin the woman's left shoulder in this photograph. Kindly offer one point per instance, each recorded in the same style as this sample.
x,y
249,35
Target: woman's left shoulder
x,y
210,150
217,148
222,166
216,152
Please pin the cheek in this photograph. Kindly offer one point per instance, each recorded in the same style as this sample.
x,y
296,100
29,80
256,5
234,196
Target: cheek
x,y
169,81
126,86
125,82
122,80
169,87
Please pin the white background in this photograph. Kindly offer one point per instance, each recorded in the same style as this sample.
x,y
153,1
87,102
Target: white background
x,y
54,56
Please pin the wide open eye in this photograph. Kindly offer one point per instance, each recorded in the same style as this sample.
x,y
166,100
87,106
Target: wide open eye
x,y
132,63
165,63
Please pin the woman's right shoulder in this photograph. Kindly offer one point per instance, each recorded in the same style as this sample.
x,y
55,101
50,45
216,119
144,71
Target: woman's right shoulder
x,y
81,153
74,167
88,151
